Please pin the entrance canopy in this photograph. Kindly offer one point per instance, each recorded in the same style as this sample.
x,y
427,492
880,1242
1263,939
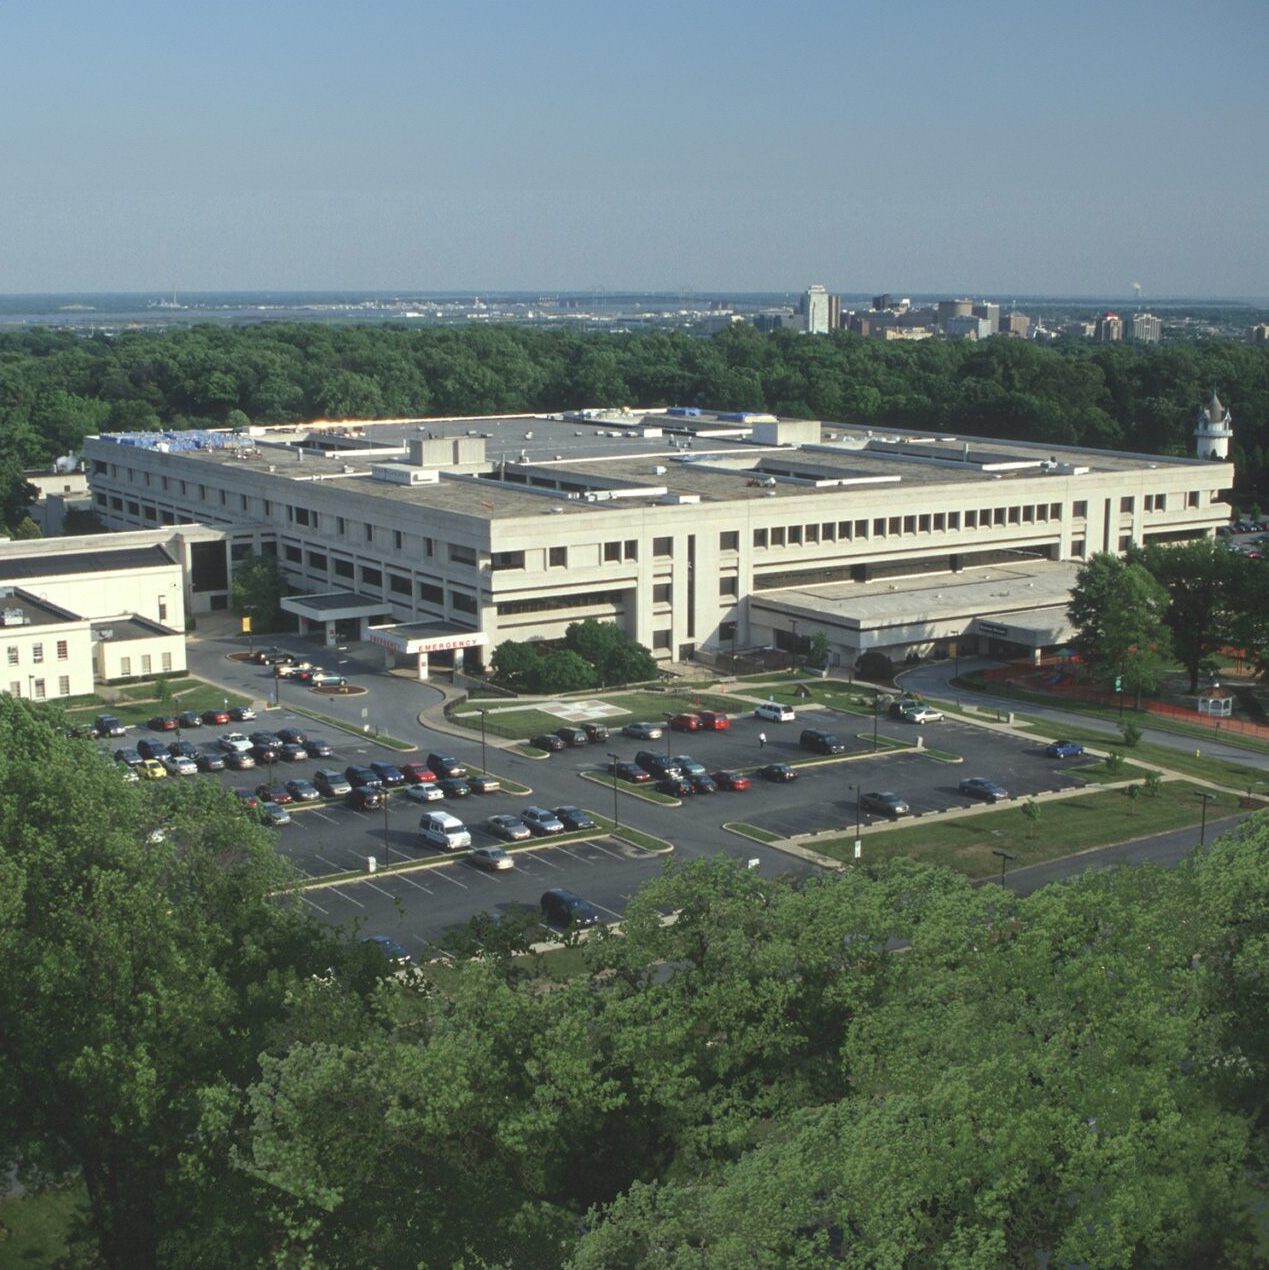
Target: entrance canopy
x,y
413,638
332,606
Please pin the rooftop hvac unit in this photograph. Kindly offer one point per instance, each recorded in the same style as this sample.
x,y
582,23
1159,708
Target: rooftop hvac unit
x,y
14,617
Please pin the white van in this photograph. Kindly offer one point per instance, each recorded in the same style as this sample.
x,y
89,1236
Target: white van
x,y
775,712
440,829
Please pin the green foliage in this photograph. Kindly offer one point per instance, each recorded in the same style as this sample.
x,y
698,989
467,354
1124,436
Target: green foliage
x,y
565,671
875,667
1152,786
257,589
1032,810
817,655
1114,763
17,494
1131,734
595,653
515,663
615,657
26,528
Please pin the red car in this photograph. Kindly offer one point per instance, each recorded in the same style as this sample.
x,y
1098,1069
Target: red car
x,y
685,722
417,773
215,716
714,721
731,780
631,772
162,723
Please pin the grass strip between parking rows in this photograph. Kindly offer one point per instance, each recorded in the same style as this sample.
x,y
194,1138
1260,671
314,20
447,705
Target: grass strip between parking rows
x,y
380,738
1064,827
746,830
629,787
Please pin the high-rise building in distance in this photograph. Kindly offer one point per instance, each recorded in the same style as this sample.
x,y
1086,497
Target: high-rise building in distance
x,y
815,310
1108,328
1146,327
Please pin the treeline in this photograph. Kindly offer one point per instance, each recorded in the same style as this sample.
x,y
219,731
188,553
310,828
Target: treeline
x,y
57,387
882,1066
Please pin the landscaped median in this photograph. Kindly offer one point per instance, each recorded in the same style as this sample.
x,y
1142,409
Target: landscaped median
x,y
648,794
746,830
137,702
380,738
1065,825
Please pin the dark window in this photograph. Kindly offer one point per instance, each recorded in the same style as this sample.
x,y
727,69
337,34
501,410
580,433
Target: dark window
x,y
462,602
557,557
1055,511
431,593
612,552
759,540
1079,508
371,577
795,535
728,586
954,520
293,554
971,519
239,550
134,509
909,525
461,555
727,632
661,593
340,524
728,540
343,568
1192,498
631,549
317,560
923,524
660,639
665,547
1000,515
398,584
777,537
103,501
396,539
209,569
1126,503
893,526
370,533
507,560
861,529
548,603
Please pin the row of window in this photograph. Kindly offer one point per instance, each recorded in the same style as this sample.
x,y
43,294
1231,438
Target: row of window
x,y
147,664
14,652
38,688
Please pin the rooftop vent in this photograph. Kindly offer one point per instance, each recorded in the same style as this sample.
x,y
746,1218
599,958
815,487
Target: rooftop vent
x,y
14,617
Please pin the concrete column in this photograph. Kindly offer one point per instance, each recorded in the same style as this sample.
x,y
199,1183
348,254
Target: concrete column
x,y
331,639
458,658
422,665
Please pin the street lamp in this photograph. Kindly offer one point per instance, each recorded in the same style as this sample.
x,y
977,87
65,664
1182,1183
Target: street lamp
x,y
1206,798
1005,859
277,686
669,734
616,820
858,822
484,767
876,705
387,846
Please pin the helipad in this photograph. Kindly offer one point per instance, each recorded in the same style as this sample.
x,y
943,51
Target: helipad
x,y
580,711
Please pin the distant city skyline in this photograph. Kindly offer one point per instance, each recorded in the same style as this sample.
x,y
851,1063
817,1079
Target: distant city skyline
x,y
984,150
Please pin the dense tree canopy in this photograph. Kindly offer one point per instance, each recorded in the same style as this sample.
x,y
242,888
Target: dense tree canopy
x,y
57,387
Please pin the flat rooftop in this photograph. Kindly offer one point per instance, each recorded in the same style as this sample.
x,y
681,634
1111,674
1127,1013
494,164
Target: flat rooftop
x,y
532,464
46,563
120,630
1011,588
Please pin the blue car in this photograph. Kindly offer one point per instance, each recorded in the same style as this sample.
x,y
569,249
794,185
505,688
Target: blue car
x,y
1064,749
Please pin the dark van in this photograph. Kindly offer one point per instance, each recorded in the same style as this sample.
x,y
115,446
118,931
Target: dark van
x,y
821,742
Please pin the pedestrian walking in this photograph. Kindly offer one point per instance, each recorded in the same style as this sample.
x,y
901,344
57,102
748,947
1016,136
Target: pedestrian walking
x,y
762,740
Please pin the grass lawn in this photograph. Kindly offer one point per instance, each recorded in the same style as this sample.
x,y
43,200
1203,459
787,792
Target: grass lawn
x,y
402,747
751,831
829,692
37,1226
193,694
645,791
1065,826
650,706
1099,774
636,837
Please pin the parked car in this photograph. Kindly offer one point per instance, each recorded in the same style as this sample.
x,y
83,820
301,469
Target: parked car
x,y
774,712
417,773
327,679
491,858
884,803
484,784
290,736
644,731
595,732
922,714
239,714
572,736
209,761
189,719
563,909
897,709
108,725
628,771
269,740
1064,749
688,765
676,785
179,765
162,723
289,668
445,765
686,722
274,794
424,793
389,949
821,742
247,797
365,798
233,741
266,753
390,775
215,716
302,791
331,783
183,748
981,787
292,752
778,772
358,775
150,769
152,749
509,828
541,821
702,783
240,760
440,829
574,819
714,721
273,814
659,765
130,756
129,774
272,656
731,780
453,787
318,747
549,742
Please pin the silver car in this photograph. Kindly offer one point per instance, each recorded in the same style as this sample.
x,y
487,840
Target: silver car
x,y
491,858
429,793
508,828
541,821
644,731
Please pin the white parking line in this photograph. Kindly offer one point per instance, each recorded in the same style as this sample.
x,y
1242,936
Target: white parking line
x,y
380,889
401,877
444,873
607,910
321,815
540,858
605,850
310,903
349,898
579,858
333,865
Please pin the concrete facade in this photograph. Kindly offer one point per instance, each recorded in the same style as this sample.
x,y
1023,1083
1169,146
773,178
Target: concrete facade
x,y
669,523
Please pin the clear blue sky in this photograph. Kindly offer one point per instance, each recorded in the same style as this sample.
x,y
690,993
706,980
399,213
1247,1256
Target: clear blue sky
x,y
998,148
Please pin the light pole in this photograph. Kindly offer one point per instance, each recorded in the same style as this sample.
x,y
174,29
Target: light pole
x,y
277,686
793,655
876,705
387,846
859,841
669,734
1005,859
1206,798
484,767
616,819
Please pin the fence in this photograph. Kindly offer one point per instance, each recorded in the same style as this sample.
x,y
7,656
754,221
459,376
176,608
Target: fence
x,y
1056,679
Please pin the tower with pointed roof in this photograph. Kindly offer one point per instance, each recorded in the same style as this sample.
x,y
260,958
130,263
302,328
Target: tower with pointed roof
x,y
1213,430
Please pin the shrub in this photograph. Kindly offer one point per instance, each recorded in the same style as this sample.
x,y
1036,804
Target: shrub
x,y
875,666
